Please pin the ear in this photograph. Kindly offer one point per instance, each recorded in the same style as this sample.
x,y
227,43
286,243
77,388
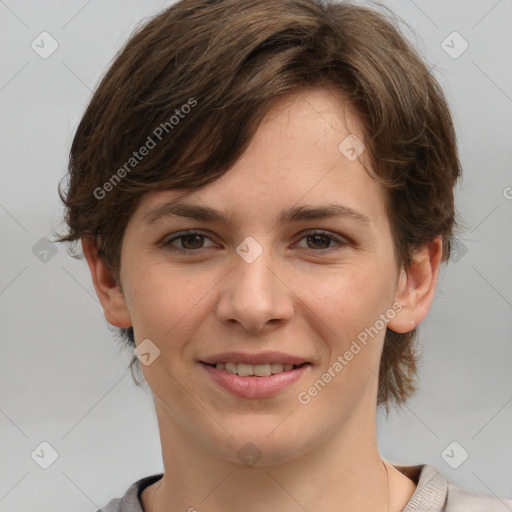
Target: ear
x,y
108,291
416,287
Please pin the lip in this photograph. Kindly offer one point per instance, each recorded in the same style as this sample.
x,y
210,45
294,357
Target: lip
x,y
255,387
260,358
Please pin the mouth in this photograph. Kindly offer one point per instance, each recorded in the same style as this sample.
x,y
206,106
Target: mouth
x,y
255,376
257,370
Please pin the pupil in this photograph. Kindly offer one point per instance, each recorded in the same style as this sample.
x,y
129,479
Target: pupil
x,y
320,237
198,238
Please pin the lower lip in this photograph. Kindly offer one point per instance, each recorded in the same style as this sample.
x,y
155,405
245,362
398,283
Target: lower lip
x,y
255,387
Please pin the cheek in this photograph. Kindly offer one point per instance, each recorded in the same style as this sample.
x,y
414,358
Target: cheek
x,y
165,301
346,314
349,298
347,311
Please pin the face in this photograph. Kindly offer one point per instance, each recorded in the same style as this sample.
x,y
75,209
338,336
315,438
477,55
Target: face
x,y
254,278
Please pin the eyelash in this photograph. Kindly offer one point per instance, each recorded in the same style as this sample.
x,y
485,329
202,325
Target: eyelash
x,y
339,240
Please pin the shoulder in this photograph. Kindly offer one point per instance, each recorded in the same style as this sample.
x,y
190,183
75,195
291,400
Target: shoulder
x,y
130,502
434,493
114,505
462,500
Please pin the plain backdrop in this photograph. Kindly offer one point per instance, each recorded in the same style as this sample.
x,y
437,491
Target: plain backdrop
x,y
64,378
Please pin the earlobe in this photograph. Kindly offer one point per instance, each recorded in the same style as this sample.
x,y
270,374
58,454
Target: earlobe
x,y
107,289
416,287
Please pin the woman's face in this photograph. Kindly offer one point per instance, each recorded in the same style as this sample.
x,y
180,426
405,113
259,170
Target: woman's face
x,y
268,284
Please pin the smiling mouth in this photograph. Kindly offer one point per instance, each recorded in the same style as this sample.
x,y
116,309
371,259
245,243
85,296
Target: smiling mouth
x,y
256,370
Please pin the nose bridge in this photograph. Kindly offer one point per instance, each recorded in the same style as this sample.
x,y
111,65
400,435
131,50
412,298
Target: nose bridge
x,y
252,273
252,295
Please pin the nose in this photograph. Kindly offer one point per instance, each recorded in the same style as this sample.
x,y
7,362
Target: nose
x,y
255,295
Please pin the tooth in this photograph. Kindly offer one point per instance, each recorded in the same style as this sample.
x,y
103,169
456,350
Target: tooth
x,y
262,370
245,369
230,367
276,367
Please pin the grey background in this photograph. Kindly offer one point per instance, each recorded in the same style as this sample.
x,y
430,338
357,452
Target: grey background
x,y
64,378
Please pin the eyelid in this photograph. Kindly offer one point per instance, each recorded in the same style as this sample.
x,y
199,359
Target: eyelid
x,y
166,241
338,239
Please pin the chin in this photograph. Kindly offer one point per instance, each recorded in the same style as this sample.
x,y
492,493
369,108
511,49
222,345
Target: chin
x,y
262,443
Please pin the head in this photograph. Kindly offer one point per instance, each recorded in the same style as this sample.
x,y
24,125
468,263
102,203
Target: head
x,y
252,109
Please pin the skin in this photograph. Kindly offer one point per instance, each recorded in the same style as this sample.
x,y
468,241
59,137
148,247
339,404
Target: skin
x,y
301,296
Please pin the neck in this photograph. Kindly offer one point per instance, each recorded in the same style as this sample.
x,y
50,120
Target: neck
x,y
342,472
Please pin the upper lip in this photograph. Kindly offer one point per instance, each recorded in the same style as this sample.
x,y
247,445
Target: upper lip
x,y
260,358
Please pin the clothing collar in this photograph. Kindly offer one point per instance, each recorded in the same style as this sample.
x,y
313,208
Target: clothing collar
x,y
430,493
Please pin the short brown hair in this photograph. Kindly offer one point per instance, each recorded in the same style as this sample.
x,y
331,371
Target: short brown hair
x,y
203,74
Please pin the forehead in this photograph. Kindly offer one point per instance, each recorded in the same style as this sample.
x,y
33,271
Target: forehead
x,y
309,149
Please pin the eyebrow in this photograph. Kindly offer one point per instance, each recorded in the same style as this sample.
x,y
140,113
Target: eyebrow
x,y
296,213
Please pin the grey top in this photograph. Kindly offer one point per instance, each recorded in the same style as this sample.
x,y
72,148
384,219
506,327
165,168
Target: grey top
x,y
433,494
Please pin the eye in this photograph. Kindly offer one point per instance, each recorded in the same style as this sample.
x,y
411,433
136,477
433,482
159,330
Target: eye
x,y
318,241
189,241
